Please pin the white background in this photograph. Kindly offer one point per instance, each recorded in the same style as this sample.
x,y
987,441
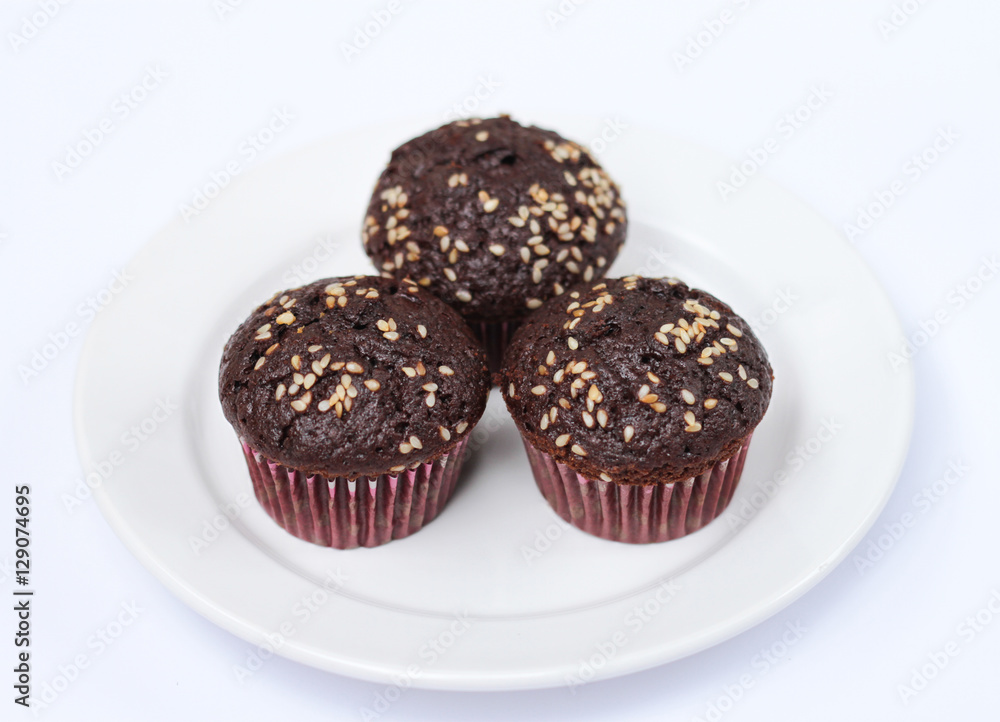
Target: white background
x,y
892,89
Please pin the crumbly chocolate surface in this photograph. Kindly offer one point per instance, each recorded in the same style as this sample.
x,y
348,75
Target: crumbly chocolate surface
x,y
353,376
636,380
494,217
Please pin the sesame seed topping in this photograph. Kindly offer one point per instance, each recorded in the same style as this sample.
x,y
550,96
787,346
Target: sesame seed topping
x,y
605,477
534,302
309,381
286,318
491,205
649,399
742,372
279,392
658,406
753,383
588,420
430,387
687,396
373,385
422,330
628,433
572,343
430,399
594,394
652,377
411,372
462,426
446,370
727,377
354,368
444,433
733,330
260,362
391,335
482,135
440,231
405,448
562,440
578,450
602,417
539,390
689,417
681,346
415,443
463,296
497,250
693,427
711,403
314,348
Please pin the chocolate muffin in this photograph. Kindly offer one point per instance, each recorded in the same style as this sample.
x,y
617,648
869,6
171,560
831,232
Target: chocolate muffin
x,y
494,218
353,399
636,399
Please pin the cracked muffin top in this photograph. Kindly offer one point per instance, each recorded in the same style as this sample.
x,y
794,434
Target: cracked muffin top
x,y
494,217
353,376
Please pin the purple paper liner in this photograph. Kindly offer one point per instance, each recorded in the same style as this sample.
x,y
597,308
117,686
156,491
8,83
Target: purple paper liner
x,y
365,512
637,513
494,336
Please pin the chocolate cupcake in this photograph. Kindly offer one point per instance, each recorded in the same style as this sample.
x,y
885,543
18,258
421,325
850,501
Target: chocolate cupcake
x,y
494,218
353,399
636,400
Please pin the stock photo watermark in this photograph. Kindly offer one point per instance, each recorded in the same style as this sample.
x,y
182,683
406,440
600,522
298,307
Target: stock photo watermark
x,y
31,25
42,356
710,31
97,644
247,152
562,12
760,664
955,301
739,515
366,33
923,501
302,610
95,135
967,631
130,441
429,652
899,15
787,126
588,668
871,212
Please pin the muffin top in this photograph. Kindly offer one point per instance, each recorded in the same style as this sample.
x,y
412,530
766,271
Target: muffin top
x,y
494,217
636,380
353,376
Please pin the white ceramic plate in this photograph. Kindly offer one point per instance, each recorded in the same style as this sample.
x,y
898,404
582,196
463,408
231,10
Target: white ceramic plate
x,y
497,593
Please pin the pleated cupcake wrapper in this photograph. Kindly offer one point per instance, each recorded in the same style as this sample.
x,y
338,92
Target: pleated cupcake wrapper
x,y
637,513
494,336
365,512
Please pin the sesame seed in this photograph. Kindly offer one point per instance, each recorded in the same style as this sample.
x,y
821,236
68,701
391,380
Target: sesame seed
x,y
317,368
753,383
711,403
411,372
662,338
687,396
309,381
461,245
727,377
279,392
382,325
440,231
605,477
296,362
286,318
405,448
649,399
430,387
594,394
525,254
345,381
373,385
602,417
299,405
534,303
704,361
733,330
430,400
557,377
562,440
578,450
497,250
565,403
482,135
450,274
588,420
314,348
689,417
544,423
446,370
628,433
298,379
463,296
415,443
658,407
260,362
539,390
444,433
491,205
391,335
422,330
572,343
693,427
681,346
742,372
516,221
579,367
644,390
354,368
462,426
